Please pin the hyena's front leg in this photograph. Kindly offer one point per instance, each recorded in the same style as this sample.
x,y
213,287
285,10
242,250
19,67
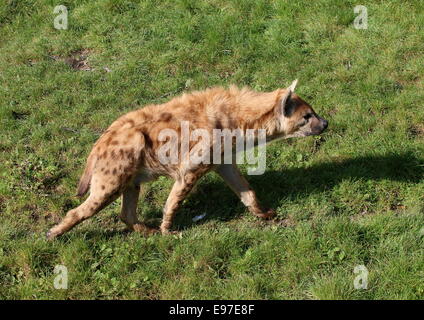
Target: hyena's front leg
x,y
180,190
129,210
235,180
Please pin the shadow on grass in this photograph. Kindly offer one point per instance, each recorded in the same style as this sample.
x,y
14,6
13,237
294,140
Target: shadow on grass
x,y
99,234
219,202
102,234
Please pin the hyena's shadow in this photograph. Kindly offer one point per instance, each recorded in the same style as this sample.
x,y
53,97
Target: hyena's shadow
x,y
217,201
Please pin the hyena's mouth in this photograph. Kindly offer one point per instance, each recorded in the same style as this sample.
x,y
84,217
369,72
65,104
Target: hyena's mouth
x,y
319,128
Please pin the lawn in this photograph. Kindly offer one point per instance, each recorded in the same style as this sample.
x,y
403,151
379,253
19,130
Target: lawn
x,y
352,196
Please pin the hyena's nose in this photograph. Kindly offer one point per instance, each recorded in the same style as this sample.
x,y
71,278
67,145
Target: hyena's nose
x,y
324,123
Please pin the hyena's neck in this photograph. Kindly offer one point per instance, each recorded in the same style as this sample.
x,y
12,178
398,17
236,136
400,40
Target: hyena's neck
x,y
258,111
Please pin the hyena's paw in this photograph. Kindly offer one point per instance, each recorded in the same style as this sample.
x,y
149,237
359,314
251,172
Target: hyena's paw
x,y
267,214
51,234
169,232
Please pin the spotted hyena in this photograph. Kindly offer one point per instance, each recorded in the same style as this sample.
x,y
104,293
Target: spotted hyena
x,y
126,155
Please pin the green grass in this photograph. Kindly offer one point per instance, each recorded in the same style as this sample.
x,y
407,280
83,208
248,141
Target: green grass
x,y
354,196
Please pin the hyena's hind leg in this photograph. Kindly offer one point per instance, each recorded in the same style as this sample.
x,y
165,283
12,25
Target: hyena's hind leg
x,y
99,198
235,180
117,155
106,186
128,215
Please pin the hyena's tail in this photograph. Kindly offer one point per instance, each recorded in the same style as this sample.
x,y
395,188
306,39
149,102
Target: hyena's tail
x,y
85,179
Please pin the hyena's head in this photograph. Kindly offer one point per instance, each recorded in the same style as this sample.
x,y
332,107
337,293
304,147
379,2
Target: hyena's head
x,y
296,117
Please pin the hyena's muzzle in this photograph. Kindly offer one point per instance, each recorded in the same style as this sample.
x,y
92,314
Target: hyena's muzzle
x,y
318,126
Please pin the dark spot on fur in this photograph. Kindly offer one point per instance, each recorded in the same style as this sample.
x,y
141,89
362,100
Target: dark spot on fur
x,y
128,170
122,178
166,116
130,154
107,172
149,142
103,187
147,116
114,171
218,125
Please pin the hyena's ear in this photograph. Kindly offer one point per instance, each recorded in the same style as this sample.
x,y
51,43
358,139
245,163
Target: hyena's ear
x,y
293,85
287,107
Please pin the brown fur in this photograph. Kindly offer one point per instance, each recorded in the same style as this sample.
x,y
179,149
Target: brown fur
x,y
126,154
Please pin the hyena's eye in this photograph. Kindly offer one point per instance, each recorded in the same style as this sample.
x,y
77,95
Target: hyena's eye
x,y
307,116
